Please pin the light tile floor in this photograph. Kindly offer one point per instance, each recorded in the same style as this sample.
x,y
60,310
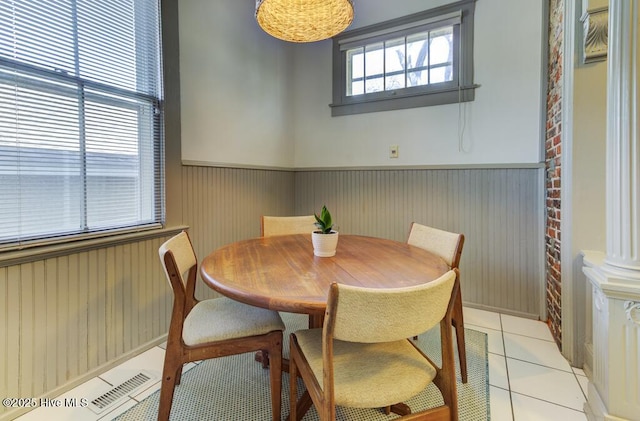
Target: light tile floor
x,y
529,379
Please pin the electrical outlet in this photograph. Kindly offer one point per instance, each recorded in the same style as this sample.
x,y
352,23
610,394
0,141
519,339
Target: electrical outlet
x,y
393,151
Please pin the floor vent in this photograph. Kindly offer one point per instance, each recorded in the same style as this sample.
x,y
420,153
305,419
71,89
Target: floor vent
x,y
117,393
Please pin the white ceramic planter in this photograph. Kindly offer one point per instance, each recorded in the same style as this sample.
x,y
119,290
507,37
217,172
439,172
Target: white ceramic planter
x,y
324,245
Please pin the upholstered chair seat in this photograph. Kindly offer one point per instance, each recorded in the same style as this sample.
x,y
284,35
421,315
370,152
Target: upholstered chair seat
x,y
364,371
233,320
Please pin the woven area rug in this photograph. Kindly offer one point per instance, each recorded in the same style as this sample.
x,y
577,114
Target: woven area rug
x,y
237,388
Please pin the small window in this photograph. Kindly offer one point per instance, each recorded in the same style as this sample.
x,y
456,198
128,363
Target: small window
x,y
414,61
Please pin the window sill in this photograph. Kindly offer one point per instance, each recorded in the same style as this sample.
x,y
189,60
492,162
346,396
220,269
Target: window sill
x,y
449,96
26,255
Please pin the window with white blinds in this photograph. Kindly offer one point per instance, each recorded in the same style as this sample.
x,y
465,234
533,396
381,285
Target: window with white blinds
x,y
80,118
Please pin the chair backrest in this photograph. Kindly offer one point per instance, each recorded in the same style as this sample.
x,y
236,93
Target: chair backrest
x,y
445,244
284,225
369,315
178,258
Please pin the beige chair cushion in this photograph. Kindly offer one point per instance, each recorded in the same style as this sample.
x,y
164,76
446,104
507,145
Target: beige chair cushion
x,y
442,243
372,314
183,254
369,375
223,318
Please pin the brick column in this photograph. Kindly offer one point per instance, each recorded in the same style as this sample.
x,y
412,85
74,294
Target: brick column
x,y
553,151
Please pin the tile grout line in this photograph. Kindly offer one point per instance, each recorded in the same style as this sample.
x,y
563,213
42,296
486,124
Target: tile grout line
x,y
584,393
542,365
530,337
549,402
506,367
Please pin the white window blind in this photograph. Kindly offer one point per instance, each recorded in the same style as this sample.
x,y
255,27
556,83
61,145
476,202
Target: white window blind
x,y
80,118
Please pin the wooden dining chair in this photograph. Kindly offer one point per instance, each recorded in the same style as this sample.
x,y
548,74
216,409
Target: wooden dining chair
x,y
286,225
283,225
212,328
448,246
362,357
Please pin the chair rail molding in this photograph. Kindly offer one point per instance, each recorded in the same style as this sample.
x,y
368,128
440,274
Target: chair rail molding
x,y
614,391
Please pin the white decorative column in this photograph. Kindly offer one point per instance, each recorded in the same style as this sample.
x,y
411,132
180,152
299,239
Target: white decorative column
x,y
614,386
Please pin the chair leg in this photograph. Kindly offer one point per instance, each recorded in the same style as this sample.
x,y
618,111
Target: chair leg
x,y
446,378
167,387
275,376
293,388
304,404
458,323
328,411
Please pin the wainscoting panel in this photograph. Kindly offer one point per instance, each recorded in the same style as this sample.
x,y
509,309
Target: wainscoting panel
x,y
498,211
223,205
66,316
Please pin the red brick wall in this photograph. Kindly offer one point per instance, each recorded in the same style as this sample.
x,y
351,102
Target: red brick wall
x,y
553,153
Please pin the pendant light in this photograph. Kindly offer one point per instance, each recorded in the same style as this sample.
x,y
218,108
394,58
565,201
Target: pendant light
x,y
304,20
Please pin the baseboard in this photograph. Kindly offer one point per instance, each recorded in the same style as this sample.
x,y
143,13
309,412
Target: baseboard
x,y
595,408
501,310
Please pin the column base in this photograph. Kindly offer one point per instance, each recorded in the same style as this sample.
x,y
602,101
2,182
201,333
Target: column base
x,y
595,409
614,390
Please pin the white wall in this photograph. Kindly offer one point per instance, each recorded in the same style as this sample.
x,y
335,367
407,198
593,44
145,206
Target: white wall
x,y
501,126
588,147
588,155
234,86
249,99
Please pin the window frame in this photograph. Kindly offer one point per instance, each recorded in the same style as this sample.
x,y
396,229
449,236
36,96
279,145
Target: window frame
x,y
460,90
101,93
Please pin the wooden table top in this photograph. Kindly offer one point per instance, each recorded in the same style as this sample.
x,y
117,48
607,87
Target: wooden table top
x,y
281,273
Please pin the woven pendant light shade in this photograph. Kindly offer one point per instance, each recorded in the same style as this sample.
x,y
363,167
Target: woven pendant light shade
x,y
304,20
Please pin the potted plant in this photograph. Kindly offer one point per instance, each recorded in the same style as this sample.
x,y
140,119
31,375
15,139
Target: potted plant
x,y
325,238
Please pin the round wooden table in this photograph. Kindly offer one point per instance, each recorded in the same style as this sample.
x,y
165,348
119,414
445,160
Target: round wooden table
x,y
281,273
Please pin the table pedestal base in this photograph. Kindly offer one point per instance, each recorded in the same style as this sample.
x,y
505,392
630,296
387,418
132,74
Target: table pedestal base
x,y
401,409
263,358
305,402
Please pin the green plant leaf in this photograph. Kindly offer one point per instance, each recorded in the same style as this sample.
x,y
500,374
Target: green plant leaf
x,y
326,217
319,223
324,222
